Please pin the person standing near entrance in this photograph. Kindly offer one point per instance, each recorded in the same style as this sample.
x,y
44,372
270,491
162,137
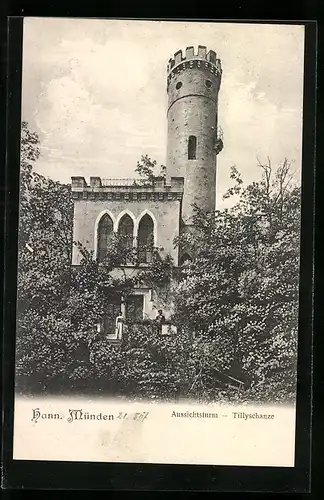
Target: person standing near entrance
x,y
119,326
160,319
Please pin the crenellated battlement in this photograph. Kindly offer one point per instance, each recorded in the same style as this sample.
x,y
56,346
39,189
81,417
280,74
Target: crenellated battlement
x,y
208,59
129,190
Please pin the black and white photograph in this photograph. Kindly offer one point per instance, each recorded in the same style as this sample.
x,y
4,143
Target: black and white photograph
x,y
159,241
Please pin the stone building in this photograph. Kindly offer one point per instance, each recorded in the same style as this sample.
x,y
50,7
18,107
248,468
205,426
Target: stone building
x,y
153,215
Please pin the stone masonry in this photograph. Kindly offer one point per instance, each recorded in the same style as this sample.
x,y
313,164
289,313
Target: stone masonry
x,y
193,143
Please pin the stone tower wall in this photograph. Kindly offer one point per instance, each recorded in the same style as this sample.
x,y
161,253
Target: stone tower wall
x,y
193,84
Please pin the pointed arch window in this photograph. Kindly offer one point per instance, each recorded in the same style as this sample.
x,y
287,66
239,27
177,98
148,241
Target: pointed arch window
x,y
145,239
192,147
105,230
126,230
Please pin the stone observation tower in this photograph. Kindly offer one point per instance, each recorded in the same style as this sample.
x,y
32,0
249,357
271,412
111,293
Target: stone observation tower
x,y
150,216
194,140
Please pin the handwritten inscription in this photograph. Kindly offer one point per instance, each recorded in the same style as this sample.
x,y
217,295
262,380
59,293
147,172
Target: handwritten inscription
x,y
133,416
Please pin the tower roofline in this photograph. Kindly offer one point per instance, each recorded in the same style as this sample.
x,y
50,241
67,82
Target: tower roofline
x,y
190,54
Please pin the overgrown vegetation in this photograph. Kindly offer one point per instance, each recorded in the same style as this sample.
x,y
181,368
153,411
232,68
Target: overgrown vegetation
x,y
241,288
235,303
146,169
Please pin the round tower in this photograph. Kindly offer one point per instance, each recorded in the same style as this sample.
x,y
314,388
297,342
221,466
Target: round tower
x,y
193,143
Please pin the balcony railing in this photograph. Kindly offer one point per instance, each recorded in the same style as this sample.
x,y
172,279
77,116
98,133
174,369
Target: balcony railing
x,y
138,254
119,182
145,254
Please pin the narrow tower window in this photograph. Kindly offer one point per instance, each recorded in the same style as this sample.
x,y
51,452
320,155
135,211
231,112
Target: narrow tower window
x,y
192,147
105,230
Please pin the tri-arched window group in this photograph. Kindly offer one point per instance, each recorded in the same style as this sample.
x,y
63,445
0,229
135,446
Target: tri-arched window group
x,y
141,237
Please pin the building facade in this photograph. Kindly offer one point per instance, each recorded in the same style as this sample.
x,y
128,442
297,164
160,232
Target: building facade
x,y
153,215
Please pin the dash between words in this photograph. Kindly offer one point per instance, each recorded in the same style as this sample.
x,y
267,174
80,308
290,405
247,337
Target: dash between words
x,y
235,415
77,415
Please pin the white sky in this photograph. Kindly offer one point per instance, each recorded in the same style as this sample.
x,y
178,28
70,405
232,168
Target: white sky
x,y
95,91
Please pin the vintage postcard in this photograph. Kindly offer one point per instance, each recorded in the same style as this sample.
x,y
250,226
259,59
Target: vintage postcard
x,y
159,242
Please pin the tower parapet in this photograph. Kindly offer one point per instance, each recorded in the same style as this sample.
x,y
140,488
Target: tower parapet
x,y
201,59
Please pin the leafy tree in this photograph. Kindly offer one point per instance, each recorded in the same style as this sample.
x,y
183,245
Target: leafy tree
x,y
28,155
146,169
241,288
45,244
94,284
57,306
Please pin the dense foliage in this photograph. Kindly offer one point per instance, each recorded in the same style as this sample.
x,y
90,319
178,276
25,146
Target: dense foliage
x,y
45,245
57,307
235,302
240,290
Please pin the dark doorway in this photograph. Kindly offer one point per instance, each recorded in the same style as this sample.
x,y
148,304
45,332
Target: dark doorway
x,y
134,307
112,310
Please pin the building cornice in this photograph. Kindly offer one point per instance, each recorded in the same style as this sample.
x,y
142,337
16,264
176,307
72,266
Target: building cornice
x,y
120,190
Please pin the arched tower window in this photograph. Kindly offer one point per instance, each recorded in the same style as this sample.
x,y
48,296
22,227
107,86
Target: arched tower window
x,y
125,229
105,230
145,239
192,147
